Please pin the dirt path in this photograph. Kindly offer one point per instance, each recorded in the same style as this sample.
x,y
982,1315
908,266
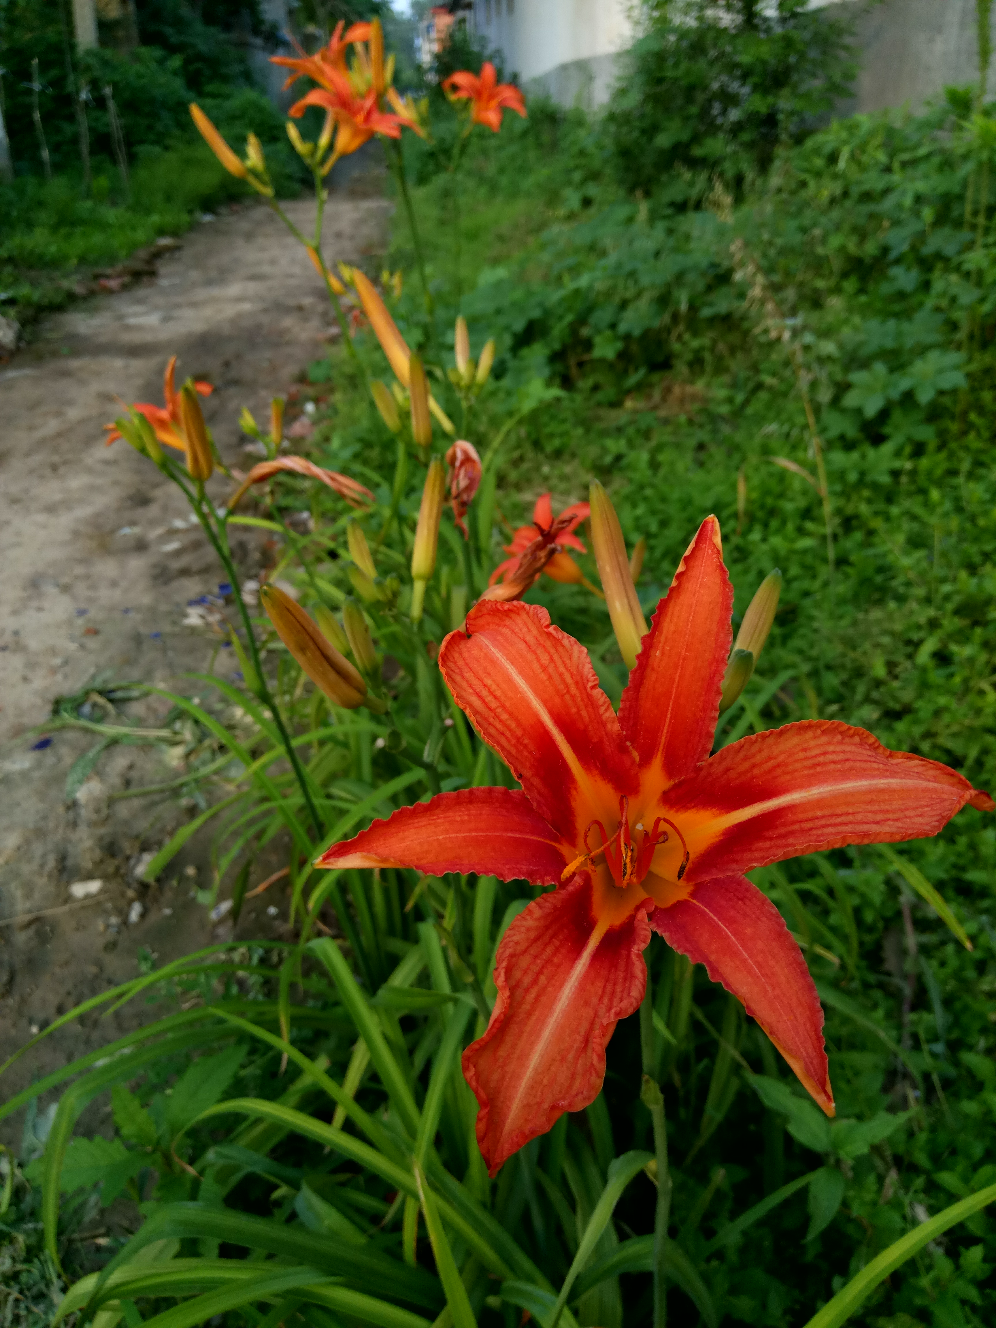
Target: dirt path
x,y
99,565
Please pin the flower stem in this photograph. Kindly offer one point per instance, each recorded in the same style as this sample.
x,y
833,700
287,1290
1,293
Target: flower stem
x,y
399,170
653,1099
219,541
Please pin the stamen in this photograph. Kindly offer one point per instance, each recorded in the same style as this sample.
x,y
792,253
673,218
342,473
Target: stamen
x,y
685,860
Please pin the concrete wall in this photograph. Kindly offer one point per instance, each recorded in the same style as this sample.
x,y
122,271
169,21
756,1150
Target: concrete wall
x,y
910,50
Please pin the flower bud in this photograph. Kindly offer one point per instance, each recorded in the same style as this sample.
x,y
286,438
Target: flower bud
x,y
367,590
628,621
254,155
200,462
304,150
360,640
427,533
359,550
485,362
636,558
330,628
464,479
277,419
217,144
247,423
736,677
461,346
418,391
329,670
386,405
759,616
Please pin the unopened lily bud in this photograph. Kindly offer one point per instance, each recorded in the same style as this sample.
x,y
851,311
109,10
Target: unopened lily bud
x,y
247,423
360,640
485,362
304,150
364,586
427,533
636,558
760,615
736,677
327,668
386,405
377,56
200,461
277,419
217,144
418,391
147,434
461,346
628,621
254,155
325,137
359,549
331,628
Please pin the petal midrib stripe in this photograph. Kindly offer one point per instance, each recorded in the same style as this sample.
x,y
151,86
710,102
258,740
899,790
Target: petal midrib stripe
x,y
797,796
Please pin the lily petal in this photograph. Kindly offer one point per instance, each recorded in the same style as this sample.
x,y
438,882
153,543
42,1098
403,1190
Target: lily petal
x,y
531,692
807,787
355,493
670,706
737,932
493,831
562,986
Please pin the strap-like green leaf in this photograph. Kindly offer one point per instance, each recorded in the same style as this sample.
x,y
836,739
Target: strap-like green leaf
x,y
368,1027
457,1300
846,1301
739,1225
916,880
621,1172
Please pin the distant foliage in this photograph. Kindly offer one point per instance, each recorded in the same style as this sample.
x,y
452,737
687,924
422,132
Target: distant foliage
x,y
714,86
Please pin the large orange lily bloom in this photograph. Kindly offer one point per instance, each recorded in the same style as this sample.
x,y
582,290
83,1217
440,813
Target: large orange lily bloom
x,y
641,830
561,566
165,420
357,118
486,95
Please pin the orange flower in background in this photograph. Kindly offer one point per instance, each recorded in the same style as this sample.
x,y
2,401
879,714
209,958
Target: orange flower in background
x,y
356,494
165,420
326,60
547,530
640,830
464,478
488,98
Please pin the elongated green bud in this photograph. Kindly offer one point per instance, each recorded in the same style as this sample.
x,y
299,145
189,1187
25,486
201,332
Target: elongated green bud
x,y
360,640
427,534
359,550
485,362
628,621
330,628
386,405
200,460
461,346
418,391
760,615
736,677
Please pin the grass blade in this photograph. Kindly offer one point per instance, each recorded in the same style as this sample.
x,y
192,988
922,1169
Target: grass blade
x,y
916,880
457,1299
845,1302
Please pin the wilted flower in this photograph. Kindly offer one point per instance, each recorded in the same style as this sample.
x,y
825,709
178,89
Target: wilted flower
x,y
464,478
549,530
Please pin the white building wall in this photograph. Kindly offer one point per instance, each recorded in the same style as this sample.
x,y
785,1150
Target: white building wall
x,y
567,48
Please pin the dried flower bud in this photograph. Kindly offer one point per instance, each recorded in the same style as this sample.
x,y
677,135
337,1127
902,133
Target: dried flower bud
x,y
532,562
329,670
628,621
464,478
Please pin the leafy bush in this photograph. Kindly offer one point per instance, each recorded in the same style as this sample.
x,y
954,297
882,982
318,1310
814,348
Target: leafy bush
x,y
713,89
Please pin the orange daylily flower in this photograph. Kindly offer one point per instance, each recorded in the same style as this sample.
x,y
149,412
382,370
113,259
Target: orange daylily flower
x,y
356,494
640,830
486,95
328,59
166,420
464,478
561,566
357,118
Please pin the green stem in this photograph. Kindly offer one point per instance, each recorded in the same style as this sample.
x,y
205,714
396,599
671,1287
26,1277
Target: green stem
x,y
400,475
399,170
653,1099
219,541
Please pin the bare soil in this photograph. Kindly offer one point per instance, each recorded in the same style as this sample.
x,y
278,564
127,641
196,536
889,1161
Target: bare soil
x,y
99,568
